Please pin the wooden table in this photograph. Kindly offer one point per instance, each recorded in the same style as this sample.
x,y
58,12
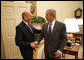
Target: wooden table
x,y
73,51
78,35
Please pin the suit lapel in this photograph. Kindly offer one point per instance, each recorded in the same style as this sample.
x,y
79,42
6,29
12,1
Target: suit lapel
x,y
27,29
54,29
46,28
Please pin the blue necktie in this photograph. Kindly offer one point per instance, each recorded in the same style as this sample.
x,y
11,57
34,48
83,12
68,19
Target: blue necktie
x,y
30,27
49,33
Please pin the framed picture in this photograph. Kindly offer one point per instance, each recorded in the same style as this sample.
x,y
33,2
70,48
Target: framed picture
x,y
33,7
78,13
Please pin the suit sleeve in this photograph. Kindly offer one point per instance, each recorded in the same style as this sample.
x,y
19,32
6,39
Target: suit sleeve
x,y
19,38
37,31
41,35
63,38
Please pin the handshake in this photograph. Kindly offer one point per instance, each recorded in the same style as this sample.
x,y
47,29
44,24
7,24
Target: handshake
x,y
33,44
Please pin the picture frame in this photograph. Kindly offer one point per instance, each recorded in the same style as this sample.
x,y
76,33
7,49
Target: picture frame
x,y
33,7
78,13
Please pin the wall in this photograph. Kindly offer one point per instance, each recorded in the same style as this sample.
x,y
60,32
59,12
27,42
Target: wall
x,y
64,9
2,49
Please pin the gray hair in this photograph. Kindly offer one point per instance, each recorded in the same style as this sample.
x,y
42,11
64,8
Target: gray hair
x,y
52,12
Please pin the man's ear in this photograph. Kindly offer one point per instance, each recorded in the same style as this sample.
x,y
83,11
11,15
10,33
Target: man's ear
x,y
25,17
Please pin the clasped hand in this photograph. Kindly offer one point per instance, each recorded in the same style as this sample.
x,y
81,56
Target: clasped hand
x,y
57,54
34,45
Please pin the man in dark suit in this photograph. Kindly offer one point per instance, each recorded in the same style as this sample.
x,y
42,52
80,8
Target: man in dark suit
x,y
54,34
25,36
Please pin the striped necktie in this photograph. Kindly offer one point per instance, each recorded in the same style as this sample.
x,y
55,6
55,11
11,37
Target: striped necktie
x,y
49,33
30,27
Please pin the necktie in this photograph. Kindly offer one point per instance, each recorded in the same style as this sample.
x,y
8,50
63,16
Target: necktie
x,y
49,33
30,27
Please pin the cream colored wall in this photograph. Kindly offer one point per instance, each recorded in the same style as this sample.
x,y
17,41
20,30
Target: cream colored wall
x,y
64,9
2,49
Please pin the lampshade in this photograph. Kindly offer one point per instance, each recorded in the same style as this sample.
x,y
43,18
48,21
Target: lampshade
x,y
71,25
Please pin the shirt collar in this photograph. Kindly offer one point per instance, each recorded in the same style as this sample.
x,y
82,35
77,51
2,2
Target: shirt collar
x,y
53,22
25,22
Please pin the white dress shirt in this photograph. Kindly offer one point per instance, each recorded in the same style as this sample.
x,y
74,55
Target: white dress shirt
x,y
52,26
25,22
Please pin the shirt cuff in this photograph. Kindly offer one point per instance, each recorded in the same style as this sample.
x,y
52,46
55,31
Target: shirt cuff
x,y
36,42
60,51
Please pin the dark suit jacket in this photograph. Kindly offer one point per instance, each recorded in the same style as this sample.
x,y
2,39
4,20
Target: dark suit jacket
x,y
23,38
57,41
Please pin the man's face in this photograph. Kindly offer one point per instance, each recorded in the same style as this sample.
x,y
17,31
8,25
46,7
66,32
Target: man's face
x,y
29,17
48,16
